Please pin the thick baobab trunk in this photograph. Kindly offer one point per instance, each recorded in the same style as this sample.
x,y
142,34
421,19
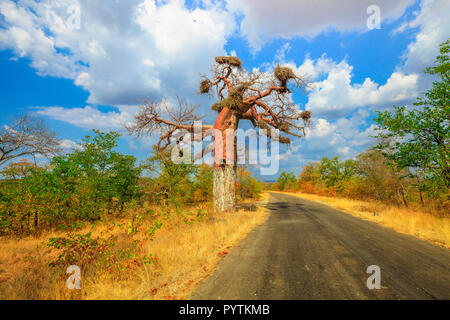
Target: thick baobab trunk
x,y
225,187
225,162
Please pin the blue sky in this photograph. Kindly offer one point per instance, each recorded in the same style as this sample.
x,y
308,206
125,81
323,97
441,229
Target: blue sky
x,y
93,72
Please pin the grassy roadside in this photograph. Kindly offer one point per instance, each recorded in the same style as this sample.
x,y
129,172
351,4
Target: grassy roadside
x,y
433,228
180,254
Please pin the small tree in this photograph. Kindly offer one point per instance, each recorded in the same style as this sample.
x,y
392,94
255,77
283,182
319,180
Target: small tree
x,y
26,136
203,183
330,171
247,187
380,179
261,98
104,177
174,182
77,186
286,180
419,138
17,170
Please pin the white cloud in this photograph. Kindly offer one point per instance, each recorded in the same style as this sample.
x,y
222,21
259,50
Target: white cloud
x,y
344,151
344,137
336,96
322,128
69,145
434,28
264,20
313,69
125,51
90,117
281,53
341,108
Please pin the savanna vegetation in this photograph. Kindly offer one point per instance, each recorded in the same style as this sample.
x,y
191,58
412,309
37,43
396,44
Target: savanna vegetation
x,y
136,230
151,230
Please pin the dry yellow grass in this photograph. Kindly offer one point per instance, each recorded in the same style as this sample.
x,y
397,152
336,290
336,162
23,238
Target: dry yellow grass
x,y
422,225
265,196
185,254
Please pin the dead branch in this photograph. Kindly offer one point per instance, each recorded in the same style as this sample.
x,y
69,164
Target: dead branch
x,y
27,136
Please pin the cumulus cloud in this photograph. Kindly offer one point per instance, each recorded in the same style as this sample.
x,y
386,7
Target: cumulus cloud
x,y
24,32
343,137
333,94
264,20
434,28
124,51
341,126
341,109
90,117
69,145
334,97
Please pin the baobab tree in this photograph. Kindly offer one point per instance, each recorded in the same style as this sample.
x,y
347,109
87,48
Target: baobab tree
x,y
263,99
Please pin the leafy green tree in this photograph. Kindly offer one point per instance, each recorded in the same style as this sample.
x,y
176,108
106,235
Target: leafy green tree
x,y
286,180
330,171
309,179
174,182
81,185
349,168
17,170
419,138
203,183
331,174
310,173
101,177
125,178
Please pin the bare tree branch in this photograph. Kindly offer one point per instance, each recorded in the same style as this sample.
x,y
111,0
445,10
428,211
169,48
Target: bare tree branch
x,y
160,117
27,136
262,98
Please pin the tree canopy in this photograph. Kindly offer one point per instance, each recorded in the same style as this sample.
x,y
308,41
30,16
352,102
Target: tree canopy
x,y
418,139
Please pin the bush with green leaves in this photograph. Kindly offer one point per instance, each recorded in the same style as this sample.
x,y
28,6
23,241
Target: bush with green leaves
x,y
168,182
203,183
370,176
286,181
247,187
84,184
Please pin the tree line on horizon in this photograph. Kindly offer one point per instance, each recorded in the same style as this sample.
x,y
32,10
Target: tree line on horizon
x,y
95,180
368,177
